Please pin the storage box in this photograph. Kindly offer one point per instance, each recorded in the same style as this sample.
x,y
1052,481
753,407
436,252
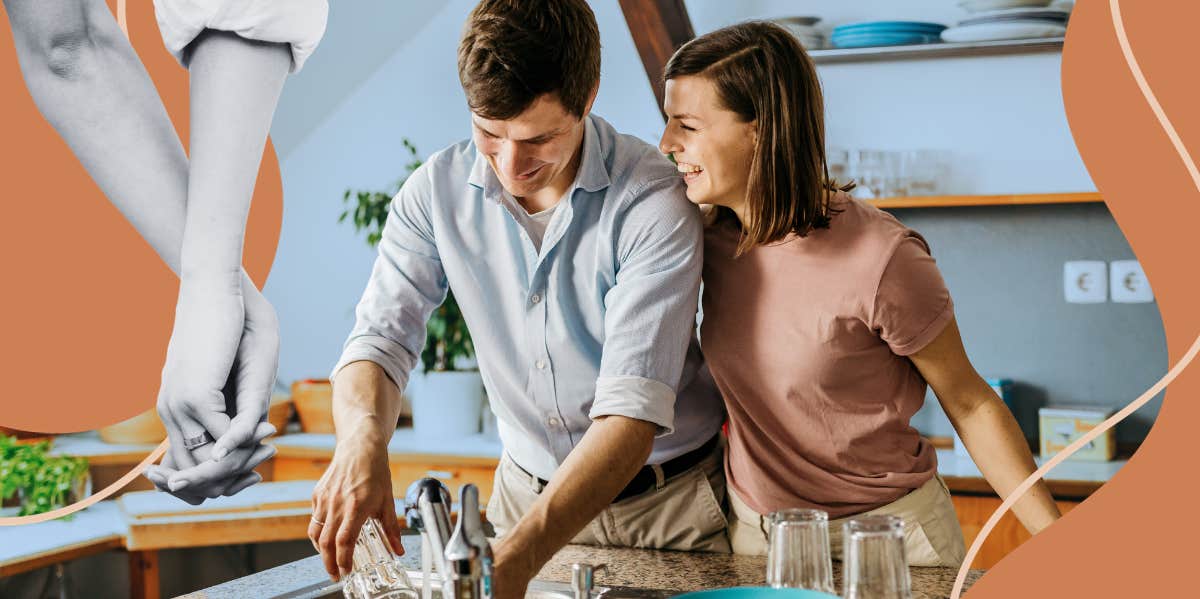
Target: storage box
x,y
1059,426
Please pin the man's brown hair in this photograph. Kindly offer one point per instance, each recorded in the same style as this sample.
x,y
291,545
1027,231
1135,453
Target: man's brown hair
x,y
763,74
513,51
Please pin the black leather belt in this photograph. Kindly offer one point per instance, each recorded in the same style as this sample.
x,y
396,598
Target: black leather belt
x,y
645,479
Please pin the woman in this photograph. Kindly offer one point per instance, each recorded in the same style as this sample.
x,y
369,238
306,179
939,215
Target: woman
x,y
91,86
824,318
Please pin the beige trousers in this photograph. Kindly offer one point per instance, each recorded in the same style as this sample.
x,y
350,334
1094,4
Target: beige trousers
x,y
683,513
932,536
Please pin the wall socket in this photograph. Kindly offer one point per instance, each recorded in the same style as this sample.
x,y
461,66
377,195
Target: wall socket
x,y
1085,281
1128,284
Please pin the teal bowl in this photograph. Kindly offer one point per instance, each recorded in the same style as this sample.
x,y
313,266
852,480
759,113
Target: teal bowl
x,y
756,593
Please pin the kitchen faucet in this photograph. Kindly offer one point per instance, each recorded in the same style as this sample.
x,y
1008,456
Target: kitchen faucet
x,y
468,554
463,558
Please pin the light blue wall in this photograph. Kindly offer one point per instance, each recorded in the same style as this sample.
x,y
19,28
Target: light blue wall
x,y
1000,118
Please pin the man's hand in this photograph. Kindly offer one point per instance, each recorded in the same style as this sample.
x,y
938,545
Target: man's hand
x,y
356,485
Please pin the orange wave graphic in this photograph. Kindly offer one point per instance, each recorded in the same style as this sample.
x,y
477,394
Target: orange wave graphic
x,y
1165,122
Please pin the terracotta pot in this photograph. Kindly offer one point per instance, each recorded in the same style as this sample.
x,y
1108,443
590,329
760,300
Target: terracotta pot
x,y
280,412
144,429
25,436
313,399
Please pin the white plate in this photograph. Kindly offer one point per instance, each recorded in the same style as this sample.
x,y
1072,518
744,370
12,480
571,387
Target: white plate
x,y
982,5
1023,11
987,32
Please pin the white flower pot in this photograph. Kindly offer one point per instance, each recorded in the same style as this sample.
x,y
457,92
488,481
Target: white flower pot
x,y
448,404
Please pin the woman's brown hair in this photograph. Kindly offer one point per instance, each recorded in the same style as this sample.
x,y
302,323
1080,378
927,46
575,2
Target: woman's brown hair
x,y
763,74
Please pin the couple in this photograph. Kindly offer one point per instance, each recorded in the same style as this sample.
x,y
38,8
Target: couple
x,y
576,254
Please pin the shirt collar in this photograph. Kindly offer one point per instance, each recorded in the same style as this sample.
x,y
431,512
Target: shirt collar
x,y
592,175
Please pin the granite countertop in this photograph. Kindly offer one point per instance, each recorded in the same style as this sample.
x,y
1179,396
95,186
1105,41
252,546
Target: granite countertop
x,y
670,571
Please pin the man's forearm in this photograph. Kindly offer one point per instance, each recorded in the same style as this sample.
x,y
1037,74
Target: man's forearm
x,y
365,401
998,447
606,459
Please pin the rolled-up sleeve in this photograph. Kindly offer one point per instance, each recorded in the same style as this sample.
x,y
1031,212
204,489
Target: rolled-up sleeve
x,y
650,312
406,284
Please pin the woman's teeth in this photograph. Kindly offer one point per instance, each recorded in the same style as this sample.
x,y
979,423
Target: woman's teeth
x,y
686,168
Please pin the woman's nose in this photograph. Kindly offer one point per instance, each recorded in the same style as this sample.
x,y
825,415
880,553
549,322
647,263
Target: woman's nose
x,y
667,144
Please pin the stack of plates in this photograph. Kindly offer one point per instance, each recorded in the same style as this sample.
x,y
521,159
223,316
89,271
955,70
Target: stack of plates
x,y
804,29
1008,22
885,33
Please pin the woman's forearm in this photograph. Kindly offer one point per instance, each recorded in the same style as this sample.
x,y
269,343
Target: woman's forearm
x,y
998,447
235,85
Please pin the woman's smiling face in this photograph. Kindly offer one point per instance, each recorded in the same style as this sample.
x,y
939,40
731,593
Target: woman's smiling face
x,y
712,146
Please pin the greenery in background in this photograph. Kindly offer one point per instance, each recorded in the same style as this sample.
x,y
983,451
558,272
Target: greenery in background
x,y
42,481
447,337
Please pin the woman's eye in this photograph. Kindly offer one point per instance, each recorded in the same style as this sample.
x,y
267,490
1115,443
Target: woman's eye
x,y
686,128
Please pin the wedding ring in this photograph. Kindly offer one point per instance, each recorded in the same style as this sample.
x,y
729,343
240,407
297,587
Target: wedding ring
x,y
190,443
317,522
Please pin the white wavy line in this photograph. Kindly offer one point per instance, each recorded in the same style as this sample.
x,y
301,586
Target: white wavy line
x,y
1165,123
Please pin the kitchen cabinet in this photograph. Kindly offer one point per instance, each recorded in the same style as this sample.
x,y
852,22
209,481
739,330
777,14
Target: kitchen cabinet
x,y
974,510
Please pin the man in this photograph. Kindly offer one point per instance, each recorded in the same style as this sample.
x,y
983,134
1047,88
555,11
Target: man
x,y
575,258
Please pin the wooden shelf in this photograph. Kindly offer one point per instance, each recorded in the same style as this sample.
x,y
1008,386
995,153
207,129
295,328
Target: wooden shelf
x,y
1087,197
938,50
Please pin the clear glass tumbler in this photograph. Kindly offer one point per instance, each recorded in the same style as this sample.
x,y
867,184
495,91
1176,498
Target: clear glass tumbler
x,y
798,550
873,561
377,574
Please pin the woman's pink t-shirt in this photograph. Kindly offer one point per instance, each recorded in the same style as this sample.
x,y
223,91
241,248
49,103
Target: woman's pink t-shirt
x,y
807,339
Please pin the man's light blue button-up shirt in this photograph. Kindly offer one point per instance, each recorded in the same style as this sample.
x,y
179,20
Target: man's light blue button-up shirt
x,y
596,323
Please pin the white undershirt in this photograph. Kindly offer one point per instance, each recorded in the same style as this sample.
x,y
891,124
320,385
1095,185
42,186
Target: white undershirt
x,y
534,224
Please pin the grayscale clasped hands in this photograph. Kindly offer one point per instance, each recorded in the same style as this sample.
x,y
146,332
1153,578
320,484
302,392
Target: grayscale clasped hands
x,y
216,389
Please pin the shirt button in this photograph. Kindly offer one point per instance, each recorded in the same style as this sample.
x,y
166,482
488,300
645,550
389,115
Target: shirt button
x,y
553,422
536,298
541,365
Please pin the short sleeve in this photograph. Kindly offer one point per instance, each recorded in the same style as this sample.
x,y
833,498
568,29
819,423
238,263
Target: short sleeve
x,y
912,304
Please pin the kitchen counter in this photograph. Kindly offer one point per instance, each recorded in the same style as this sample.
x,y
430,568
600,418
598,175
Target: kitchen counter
x,y
670,571
1068,480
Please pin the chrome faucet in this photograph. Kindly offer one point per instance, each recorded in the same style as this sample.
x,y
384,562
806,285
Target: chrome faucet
x,y
427,509
583,579
468,554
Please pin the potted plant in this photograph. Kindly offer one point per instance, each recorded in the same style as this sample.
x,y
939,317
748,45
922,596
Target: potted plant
x,y
37,482
448,401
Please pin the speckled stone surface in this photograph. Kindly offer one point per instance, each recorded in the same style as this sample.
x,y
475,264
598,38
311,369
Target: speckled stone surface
x,y
670,571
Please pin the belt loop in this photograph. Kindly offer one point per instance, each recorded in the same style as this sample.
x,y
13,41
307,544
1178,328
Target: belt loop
x,y
660,478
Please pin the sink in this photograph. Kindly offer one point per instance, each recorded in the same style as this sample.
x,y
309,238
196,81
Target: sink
x,y
538,589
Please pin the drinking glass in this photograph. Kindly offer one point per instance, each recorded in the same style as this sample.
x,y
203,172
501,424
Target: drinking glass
x,y
874,565
377,573
798,550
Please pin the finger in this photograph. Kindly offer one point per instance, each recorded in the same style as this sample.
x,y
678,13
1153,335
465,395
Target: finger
x,y
175,448
210,413
264,430
391,526
346,536
244,482
241,432
326,542
209,471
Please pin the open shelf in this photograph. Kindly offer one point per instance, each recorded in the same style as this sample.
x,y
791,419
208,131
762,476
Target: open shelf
x,y
938,50
1086,197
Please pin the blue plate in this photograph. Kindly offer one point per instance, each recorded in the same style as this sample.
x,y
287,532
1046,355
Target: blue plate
x,y
756,593
879,39
890,27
